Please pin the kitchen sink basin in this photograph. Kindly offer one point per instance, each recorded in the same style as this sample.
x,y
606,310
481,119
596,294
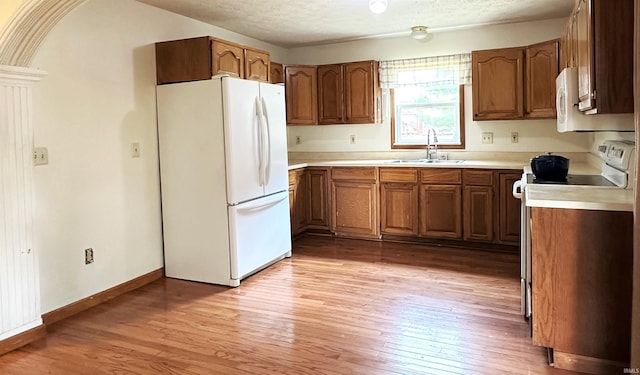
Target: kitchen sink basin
x,y
425,161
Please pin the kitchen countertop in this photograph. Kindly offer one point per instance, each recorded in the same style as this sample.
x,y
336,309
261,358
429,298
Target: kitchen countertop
x,y
579,197
489,164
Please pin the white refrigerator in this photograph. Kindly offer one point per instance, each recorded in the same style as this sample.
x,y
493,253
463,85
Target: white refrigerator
x,y
224,178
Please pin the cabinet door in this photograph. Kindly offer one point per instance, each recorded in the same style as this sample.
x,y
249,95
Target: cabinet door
x,y
478,213
360,92
292,207
541,71
440,211
301,94
498,84
276,72
509,211
318,198
256,65
227,58
330,94
399,209
353,208
302,202
584,42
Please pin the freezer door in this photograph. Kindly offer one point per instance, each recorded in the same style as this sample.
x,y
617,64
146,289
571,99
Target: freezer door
x,y
274,114
260,233
242,139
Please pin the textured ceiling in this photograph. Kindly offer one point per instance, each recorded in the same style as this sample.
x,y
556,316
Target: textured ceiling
x,y
293,23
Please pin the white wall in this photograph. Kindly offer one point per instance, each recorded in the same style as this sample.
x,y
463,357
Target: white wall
x,y
534,135
99,97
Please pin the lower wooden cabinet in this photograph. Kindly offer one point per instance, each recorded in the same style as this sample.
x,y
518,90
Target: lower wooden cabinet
x,y
441,211
354,201
449,203
308,199
318,203
478,213
582,267
509,209
399,208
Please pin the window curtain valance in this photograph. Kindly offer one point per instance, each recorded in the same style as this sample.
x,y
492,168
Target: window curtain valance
x,y
426,71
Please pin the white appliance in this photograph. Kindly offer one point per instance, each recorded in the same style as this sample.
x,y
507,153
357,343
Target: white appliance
x,y
618,171
224,178
569,117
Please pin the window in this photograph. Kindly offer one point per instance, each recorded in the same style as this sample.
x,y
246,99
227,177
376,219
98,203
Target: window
x,y
427,93
416,109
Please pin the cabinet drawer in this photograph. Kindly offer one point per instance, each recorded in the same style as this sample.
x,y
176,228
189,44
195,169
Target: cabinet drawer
x,y
440,176
478,178
398,175
353,173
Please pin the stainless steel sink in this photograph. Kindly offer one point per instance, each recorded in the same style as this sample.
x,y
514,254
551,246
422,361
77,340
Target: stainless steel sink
x,y
425,161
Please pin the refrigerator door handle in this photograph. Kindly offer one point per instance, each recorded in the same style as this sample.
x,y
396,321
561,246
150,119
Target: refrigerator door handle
x,y
267,138
261,165
264,203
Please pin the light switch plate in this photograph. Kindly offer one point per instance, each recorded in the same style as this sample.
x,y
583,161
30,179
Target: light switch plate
x,y
135,150
40,156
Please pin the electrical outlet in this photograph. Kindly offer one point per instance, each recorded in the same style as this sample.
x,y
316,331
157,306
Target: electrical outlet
x,y
352,139
135,150
298,140
40,156
487,138
88,255
514,137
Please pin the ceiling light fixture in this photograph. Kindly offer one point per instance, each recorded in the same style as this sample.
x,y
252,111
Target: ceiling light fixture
x,y
378,6
419,32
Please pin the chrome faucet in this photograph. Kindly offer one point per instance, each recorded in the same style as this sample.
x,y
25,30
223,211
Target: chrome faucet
x,y
435,143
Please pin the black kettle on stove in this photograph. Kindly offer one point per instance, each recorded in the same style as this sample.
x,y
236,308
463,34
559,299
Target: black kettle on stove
x,y
550,167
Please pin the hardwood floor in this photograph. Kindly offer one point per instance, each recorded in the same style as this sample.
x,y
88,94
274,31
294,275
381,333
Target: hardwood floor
x,y
337,306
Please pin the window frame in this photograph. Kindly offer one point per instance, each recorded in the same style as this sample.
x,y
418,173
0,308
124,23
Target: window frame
x,y
461,125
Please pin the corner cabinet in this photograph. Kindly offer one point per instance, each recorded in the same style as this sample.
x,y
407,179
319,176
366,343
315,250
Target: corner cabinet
x,y
515,83
301,94
354,201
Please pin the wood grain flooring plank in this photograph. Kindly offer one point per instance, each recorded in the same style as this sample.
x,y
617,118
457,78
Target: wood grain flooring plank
x,y
336,307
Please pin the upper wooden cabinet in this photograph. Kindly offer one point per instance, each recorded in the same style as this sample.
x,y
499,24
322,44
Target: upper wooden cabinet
x,y
498,81
598,41
362,92
541,70
256,65
504,78
347,93
227,58
201,58
301,94
276,73
331,94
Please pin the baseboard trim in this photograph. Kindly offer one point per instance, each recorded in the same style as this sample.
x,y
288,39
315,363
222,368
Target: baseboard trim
x,y
22,339
96,299
588,365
